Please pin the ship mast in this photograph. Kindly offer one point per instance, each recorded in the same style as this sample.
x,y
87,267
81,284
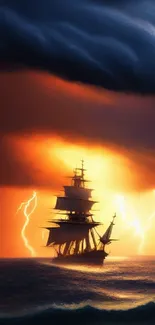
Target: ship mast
x,y
77,198
78,181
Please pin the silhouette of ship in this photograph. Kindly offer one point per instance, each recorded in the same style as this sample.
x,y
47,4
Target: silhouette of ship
x,y
75,238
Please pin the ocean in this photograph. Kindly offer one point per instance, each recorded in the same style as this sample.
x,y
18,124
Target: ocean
x,y
36,291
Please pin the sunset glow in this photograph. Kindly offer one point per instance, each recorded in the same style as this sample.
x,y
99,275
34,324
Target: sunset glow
x,y
122,176
135,210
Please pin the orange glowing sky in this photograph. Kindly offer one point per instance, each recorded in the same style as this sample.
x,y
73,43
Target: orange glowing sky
x,y
36,159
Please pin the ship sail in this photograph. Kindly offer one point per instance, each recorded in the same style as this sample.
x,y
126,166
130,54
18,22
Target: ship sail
x,y
73,204
68,232
77,192
106,238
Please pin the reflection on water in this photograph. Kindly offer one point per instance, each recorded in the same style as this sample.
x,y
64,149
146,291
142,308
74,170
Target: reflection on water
x,y
29,284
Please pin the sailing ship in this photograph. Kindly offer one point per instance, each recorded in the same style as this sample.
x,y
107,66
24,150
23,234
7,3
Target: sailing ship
x,y
74,237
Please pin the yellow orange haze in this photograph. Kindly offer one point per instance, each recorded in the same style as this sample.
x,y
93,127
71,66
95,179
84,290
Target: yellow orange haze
x,y
112,180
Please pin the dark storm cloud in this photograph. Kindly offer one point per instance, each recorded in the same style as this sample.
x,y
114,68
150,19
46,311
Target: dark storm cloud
x,y
105,43
12,170
17,170
37,104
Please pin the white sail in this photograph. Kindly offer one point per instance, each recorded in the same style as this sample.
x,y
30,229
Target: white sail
x,y
77,205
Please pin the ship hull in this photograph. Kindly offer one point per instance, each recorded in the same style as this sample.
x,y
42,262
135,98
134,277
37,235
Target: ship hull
x,y
95,258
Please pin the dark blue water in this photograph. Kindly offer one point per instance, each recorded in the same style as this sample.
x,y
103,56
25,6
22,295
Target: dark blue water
x,y
34,290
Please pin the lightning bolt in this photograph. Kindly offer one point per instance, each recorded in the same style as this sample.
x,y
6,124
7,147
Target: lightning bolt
x,y
135,224
27,215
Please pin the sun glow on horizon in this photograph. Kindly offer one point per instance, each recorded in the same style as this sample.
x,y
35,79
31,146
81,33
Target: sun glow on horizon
x,y
111,178
134,217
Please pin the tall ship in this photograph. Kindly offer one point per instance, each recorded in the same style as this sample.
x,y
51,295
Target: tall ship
x,y
74,236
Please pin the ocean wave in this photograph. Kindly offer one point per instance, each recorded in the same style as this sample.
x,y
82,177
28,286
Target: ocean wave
x,y
144,314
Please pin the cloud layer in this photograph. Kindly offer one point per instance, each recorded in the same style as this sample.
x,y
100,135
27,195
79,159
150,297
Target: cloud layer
x,y
105,43
41,104
35,104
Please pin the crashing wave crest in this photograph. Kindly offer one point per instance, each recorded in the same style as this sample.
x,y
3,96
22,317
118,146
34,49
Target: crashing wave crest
x,y
87,314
